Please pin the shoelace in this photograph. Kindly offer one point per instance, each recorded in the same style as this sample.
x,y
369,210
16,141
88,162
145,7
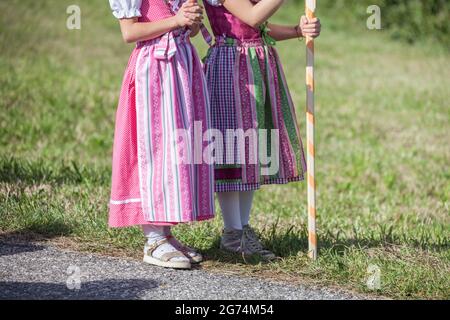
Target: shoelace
x,y
252,240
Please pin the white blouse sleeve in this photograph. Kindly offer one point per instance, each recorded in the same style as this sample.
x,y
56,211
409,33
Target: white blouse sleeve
x,y
125,8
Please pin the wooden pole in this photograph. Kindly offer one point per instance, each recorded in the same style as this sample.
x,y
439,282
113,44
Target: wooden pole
x,y
310,122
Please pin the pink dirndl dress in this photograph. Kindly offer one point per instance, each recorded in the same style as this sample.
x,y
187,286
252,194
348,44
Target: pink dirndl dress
x,y
163,91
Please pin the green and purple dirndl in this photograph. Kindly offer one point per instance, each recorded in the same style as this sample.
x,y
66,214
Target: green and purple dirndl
x,y
250,106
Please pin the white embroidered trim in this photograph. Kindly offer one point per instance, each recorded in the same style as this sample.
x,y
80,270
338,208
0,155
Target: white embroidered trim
x,y
125,201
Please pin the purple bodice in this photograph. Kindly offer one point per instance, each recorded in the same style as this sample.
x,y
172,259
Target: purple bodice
x,y
223,23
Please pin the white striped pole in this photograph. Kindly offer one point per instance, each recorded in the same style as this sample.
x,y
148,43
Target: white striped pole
x,y
312,237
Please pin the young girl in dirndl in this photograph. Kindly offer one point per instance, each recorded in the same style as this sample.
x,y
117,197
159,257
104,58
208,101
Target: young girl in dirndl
x,y
249,93
163,91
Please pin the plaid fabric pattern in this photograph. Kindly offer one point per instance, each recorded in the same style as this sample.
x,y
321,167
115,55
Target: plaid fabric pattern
x,y
238,186
222,96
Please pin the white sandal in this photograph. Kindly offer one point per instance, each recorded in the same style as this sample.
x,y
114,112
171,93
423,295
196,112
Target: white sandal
x,y
165,260
193,255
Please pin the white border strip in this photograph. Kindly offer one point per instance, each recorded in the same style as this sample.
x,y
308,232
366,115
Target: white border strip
x,y
125,201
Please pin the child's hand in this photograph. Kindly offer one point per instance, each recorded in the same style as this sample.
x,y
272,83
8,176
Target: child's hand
x,y
190,14
310,28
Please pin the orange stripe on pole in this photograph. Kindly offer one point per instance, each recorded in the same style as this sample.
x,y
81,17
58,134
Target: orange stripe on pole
x,y
313,239
312,211
309,12
310,45
310,82
311,149
311,181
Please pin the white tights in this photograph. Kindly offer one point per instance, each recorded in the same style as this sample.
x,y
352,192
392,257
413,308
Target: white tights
x,y
236,207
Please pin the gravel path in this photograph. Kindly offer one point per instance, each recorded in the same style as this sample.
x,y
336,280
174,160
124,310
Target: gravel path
x,y
35,271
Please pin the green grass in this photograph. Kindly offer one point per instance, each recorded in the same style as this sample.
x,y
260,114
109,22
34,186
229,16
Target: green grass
x,y
382,151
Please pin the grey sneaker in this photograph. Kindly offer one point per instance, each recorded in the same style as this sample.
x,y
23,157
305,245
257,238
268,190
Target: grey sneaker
x,y
231,240
251,243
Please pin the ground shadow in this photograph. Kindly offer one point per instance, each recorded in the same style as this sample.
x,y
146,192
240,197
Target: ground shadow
x,y
27,239
12,249
109,289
